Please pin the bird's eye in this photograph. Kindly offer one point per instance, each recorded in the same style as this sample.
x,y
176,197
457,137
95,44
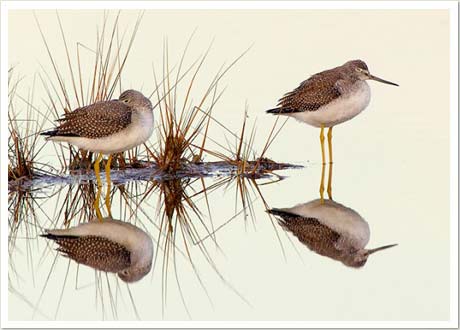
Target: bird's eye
x,y
125,100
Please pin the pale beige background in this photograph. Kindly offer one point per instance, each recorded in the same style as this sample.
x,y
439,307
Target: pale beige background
x,y
391,162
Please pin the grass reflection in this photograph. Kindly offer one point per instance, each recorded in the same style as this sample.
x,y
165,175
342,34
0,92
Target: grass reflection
x,y
176,213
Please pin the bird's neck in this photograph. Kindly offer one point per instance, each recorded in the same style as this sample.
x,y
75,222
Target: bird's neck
x,y
142,114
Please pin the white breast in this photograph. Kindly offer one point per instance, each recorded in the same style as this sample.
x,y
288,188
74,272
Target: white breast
x,y
340,110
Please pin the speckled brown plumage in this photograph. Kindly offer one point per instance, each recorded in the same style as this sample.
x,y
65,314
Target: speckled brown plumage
x,y
310,232
318,90
94,251
95,121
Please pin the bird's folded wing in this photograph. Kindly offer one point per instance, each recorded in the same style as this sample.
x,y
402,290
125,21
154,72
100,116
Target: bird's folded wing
x,y
96,120
312,94
95,251
314,234
309,231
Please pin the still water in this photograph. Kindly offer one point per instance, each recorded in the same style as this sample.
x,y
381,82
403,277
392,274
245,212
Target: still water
x,y
218,255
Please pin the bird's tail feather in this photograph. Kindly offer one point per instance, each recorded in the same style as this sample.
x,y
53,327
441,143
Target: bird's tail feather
x,y
49,133
56,237
282,111
274,110
282,213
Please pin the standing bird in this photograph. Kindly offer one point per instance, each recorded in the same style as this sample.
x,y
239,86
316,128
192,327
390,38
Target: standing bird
x,y
329,98
110,246
107,127
329,229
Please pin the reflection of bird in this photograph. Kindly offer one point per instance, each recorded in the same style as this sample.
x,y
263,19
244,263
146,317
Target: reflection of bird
x,y
111,246
329,98
329,229
107,127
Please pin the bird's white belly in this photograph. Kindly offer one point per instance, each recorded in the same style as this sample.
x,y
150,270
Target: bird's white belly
x,y
136,133
340,110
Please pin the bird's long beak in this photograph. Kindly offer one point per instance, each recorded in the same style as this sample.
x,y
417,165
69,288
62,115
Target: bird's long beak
x,y
369,252
382,80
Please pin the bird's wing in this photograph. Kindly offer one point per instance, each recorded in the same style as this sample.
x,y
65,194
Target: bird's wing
x,y
313,93
94,251
310,232
96,120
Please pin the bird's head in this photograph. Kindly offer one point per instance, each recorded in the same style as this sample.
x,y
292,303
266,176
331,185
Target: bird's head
x,y
135,99
360,71
359,258
134,273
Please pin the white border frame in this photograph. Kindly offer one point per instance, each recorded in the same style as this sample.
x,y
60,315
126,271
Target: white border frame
x,y
452,6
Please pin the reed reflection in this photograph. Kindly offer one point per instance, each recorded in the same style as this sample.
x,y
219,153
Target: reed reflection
x,y
167,231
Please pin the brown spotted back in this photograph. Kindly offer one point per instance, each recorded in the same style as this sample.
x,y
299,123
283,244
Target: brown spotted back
x,y
316,236
95,251
315,92
96,120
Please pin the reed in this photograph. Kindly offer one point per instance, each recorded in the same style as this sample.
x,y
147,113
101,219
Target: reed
x,y
184,121
242,155
25,121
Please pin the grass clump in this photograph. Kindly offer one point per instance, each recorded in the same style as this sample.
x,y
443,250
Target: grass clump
x,y
184,124
24,123
183,120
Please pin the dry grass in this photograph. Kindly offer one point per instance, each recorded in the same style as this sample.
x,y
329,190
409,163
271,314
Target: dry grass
x,y
243,155
182,120
184,124
24,123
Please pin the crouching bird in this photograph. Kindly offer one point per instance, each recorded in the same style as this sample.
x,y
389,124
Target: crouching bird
x,y
111,246
107,127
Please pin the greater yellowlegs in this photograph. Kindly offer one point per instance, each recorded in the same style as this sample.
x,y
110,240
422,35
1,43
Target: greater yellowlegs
x,y
110,246
107,127
329,98
329,229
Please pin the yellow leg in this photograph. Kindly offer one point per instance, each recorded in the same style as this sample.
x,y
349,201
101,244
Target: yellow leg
x,y
321,139
329,182
321,185
97,171
109,184
329,178
99,186
329,143
96,204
